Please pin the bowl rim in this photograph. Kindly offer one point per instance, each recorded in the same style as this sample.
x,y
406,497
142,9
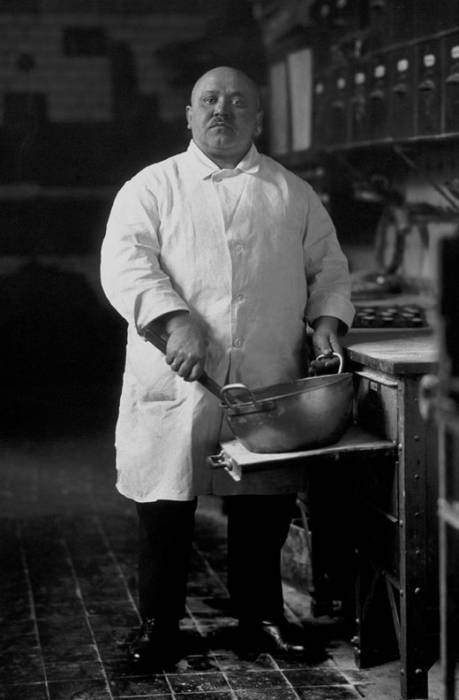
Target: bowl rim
x,y
265,398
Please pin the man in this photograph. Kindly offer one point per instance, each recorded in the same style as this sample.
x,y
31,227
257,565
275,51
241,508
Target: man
x,y
225,253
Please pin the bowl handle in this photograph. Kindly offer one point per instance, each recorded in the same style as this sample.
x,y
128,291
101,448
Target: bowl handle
x,y
334,354
230,401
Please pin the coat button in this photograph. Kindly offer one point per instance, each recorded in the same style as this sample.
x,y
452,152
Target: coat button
x,y
237,342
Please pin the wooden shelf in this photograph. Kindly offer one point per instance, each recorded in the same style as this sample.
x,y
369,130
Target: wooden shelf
x,y
240,462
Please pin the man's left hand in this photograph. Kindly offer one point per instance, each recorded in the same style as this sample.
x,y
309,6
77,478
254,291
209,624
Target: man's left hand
x,y
325,342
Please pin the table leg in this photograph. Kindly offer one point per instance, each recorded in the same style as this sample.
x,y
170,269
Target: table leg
x,y
413,512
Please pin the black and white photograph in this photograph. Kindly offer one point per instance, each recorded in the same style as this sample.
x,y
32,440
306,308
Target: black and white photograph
x,y
229,313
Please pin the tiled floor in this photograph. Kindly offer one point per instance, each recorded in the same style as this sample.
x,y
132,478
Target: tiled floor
x,y
67,596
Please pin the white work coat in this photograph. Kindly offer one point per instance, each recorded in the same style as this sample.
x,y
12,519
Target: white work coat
x,y
250,261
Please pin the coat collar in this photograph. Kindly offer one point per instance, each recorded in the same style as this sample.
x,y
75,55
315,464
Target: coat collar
x,y
204,167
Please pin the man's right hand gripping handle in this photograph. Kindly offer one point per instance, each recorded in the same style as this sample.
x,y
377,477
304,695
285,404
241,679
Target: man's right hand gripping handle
x,y
186,345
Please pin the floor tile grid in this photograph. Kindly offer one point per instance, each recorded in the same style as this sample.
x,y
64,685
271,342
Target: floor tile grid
x,y
199,628
113,556
234,693
201,632
290,613
25,567
54,685
168,677
212,573
216,576
87,617
38,481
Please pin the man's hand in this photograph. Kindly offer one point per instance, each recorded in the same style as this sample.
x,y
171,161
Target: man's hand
x,y
186,346
325,342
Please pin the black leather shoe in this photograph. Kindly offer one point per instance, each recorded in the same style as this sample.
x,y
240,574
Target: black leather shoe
x,y
155,644
279,636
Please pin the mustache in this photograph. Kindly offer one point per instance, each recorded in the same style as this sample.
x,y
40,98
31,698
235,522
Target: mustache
x,y
218,121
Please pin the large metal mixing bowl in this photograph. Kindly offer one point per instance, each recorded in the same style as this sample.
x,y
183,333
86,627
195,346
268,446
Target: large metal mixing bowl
x,y
310,412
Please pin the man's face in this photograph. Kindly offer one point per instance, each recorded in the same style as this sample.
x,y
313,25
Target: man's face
x,y
224,115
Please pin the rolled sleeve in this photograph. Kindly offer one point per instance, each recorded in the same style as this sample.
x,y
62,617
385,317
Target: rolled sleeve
x,y
131,275
327,271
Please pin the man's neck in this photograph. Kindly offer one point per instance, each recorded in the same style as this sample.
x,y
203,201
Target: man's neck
x,y
224,161
226,165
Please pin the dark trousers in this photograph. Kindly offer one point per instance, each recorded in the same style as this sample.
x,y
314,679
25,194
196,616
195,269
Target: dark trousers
x,y
257,529
165,537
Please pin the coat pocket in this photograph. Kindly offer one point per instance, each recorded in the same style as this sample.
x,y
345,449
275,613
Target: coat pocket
x,y
155,381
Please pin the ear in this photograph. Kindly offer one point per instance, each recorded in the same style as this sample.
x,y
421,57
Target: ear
x,y
189,114
258,124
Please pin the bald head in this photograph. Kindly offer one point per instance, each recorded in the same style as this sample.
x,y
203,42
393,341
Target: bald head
x,y
225,72
224,115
